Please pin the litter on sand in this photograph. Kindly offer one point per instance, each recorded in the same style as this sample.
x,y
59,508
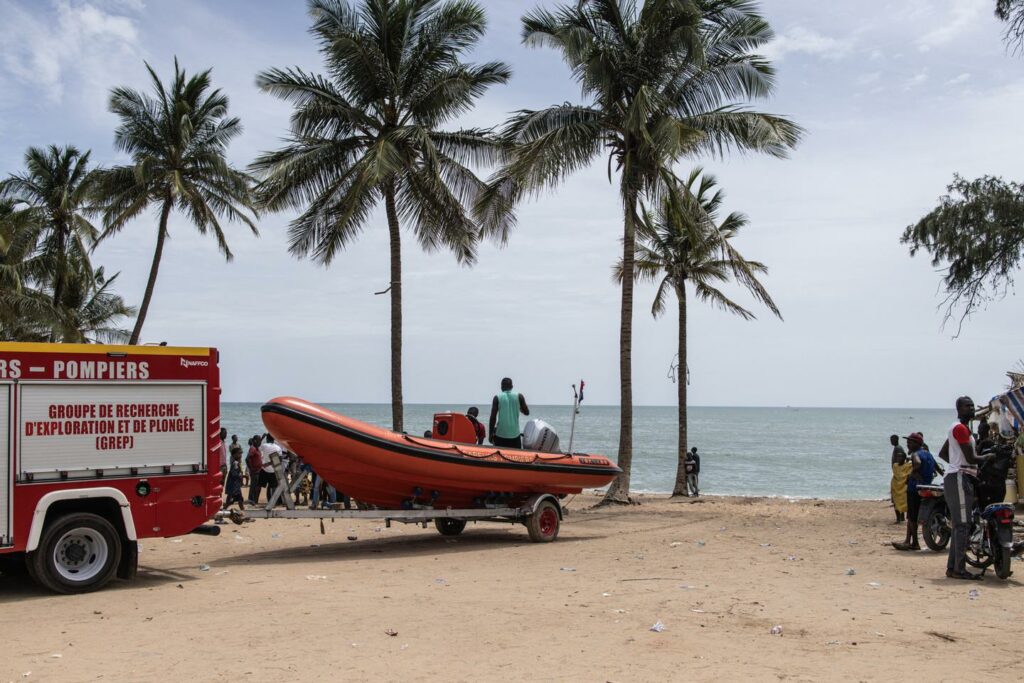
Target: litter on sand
x,y
874,584
391,632
204,567
702,543
973,594
675,544
658,627
851,571
776,630
315,577
567,569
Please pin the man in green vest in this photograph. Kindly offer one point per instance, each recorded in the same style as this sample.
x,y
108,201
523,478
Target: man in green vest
x,y
504,423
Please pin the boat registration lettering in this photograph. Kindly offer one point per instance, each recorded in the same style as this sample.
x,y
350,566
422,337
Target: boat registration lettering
x,y
593,461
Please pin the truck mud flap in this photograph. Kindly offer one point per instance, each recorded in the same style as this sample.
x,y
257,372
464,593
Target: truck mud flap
x,y
128,568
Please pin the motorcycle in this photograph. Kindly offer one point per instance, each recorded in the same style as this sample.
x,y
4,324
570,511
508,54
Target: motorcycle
x,y
991,541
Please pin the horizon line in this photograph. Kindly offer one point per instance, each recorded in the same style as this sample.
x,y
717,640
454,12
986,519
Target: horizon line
x,y
616,405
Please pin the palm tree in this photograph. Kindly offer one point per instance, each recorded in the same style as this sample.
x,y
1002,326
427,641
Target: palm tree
x,y
177,140
370,131
684,246
49,201
90,311
85,311
660,82
22,307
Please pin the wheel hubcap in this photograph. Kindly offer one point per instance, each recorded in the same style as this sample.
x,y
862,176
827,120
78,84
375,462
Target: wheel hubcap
x,y
548,522
80,554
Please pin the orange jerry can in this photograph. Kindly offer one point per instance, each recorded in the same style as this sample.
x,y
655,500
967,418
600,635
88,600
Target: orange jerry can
x,y
453,427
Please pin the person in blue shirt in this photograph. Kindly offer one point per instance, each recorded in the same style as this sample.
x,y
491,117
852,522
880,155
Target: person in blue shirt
x,y
923,469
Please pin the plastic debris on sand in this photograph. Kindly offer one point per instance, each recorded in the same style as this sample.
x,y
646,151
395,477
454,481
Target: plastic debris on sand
x,y
776,630
658,627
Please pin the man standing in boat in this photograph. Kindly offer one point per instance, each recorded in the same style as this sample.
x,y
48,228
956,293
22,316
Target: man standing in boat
x,y
504,423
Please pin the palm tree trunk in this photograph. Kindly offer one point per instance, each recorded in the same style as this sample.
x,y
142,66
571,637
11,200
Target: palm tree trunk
x,y
618,492
62,264
161,235
397,410
680,486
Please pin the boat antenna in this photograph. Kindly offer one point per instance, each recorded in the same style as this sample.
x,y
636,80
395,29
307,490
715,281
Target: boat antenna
x,y
576,398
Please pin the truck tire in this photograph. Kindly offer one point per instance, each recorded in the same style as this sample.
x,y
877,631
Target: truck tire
x,y
77,553
543,524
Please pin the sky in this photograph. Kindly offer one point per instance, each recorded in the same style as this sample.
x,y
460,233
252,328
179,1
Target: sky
x,y
895,98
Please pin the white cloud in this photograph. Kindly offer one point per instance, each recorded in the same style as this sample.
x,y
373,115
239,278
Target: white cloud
x,y
962,14
962,78
798,39
76,43
869,78
920,78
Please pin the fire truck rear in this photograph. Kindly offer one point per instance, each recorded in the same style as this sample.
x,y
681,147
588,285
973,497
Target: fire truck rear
x,y
101,446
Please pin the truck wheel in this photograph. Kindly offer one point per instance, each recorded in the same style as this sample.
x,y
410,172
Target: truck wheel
x,y
449,526
543,524
78,553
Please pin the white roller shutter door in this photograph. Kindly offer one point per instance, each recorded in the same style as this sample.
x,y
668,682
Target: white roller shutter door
x,y
6,444
81,427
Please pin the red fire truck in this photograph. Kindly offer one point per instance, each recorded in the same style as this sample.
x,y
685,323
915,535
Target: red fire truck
x,y
101,446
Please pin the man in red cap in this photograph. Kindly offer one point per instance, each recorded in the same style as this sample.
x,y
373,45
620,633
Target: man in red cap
x,y
923,467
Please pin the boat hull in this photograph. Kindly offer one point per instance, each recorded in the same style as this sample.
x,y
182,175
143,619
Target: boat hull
x,y
387,469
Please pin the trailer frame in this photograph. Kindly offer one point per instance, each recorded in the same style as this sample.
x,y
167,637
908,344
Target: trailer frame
x,y
541,513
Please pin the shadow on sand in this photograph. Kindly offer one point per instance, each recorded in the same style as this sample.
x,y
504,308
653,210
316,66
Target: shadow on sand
x,y
19,587
391,547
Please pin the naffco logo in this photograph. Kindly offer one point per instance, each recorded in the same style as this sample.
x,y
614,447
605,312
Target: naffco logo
x,y
186,363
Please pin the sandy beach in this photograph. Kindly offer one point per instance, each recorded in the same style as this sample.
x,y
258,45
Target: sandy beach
x,y
276,599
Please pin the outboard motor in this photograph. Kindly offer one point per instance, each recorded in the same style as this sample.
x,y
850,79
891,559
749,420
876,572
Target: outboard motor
x,y
540,436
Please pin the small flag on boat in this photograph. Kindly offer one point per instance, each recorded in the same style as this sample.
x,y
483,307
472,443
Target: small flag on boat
x,y
581,390
1013,401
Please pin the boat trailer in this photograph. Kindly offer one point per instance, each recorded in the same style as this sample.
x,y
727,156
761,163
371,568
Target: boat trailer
x,y
541,513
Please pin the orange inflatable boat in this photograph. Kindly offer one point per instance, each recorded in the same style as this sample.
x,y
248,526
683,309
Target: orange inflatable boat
x,y
387,469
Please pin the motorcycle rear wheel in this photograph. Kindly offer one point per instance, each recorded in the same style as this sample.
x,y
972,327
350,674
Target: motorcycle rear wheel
x,y
936,530
1002,562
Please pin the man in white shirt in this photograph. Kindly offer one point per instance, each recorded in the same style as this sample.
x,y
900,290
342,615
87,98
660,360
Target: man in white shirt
x,y
959,482
268,477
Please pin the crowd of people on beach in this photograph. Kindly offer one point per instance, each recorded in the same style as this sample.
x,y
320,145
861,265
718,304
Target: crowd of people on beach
x,y
253,469
962,455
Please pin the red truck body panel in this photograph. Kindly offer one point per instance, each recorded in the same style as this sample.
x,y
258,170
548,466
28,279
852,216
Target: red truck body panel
x,y
141,420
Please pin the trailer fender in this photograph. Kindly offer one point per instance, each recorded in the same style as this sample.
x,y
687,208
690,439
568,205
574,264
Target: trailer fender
x,y
43,506
533,502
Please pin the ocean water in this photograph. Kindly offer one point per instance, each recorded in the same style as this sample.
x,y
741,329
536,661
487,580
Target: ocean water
x,y
838,453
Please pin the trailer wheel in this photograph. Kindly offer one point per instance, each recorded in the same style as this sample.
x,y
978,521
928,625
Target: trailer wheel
x,y
78,553
543,524
449,526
